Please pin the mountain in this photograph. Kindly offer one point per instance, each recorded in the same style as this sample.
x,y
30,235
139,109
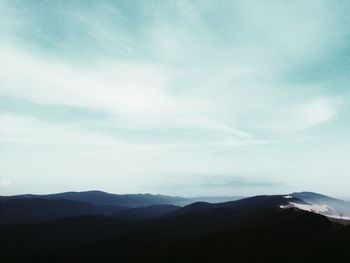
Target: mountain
x,y
22,209
254,204
33,210
127,200
335,209
205,217
339,206
146,212
213,199
275,236
107,199
38,208
253,229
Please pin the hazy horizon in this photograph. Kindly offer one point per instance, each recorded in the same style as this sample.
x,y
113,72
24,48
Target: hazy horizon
x,y
186,98
341,197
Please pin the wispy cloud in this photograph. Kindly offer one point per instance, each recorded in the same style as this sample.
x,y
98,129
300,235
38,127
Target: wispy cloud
x,y
235,87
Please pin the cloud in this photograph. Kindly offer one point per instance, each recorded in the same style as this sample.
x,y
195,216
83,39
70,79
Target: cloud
x,y
305,115
5,183
148,88
205,184
317,112
50,112
136,94
29,132
238,182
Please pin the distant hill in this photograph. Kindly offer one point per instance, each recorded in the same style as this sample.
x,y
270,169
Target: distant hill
x,y
103,198
213,199
126,200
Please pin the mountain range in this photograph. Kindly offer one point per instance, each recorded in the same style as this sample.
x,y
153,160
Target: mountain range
x,y
100,227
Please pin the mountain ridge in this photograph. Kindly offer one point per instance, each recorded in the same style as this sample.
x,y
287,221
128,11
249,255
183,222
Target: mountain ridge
x,y
26,208
204,232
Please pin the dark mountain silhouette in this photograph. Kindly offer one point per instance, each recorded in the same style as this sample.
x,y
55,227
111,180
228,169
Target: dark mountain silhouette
x,y
33,210
254,204
21,209
274,236
146,212
213,199
253,229
103,198
126,200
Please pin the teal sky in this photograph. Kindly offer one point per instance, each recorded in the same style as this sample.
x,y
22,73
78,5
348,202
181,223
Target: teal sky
x,y
175,97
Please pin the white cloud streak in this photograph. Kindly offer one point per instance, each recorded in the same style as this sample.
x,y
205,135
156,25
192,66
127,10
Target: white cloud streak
x,y
218,71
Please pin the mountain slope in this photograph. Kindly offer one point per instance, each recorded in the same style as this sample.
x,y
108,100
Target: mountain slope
x,y
336,207
34,210
146,212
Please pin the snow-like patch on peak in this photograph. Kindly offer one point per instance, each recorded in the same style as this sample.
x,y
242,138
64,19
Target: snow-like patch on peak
x,y
288,196
319,209
324,210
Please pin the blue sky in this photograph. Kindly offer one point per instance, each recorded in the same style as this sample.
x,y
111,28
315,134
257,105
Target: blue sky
x,y
175,97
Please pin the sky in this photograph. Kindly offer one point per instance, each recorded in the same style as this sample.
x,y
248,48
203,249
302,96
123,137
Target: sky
x,y
190,98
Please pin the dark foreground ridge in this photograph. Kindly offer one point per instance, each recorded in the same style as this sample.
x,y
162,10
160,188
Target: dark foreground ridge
x,y
254,229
